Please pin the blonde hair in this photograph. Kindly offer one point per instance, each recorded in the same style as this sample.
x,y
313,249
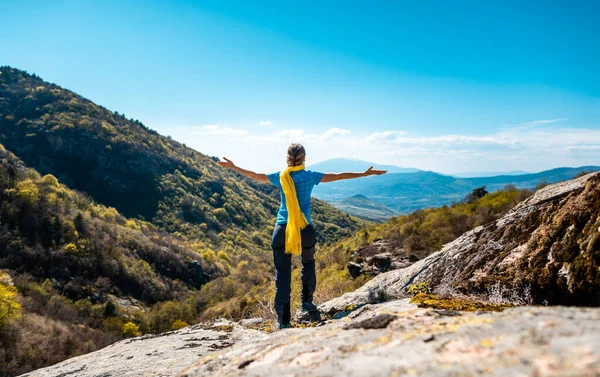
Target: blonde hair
x,y
296,155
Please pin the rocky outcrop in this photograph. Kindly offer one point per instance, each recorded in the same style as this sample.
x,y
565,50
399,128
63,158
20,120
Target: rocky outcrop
x,y
153,355
381,255
386,339
398,339
549,243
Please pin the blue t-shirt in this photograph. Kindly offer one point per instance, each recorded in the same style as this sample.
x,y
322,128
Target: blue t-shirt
x,y
304,180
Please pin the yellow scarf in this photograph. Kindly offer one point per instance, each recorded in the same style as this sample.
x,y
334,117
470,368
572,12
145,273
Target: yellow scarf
x,y
296,219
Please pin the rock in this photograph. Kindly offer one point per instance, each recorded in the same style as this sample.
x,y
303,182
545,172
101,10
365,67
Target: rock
x,y
380,256
554,230
149,355
252,322
380,321
528,341
354,269
382,261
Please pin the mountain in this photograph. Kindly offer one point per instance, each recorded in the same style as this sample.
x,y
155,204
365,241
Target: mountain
x,y
122,164
364,208
78,271
532,179
340,165
488,174
464,309
106,222
412,191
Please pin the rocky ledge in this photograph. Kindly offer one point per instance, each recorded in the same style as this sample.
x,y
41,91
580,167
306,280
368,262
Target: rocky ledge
x,y
398,339
388,339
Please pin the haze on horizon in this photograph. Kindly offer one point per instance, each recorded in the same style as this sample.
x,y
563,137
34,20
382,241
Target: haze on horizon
x,y
492,86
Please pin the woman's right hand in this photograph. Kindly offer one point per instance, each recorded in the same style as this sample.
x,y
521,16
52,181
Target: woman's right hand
x,y
227,163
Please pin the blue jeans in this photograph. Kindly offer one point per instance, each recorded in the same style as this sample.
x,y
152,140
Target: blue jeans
x,y
283,268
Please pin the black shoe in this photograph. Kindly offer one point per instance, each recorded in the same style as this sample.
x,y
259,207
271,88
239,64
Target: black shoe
x,y
308,307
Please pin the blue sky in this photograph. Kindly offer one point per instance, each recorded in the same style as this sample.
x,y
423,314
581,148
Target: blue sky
x,y
447,86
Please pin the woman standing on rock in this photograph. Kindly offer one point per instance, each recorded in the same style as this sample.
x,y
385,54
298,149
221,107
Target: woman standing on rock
x,y
294,233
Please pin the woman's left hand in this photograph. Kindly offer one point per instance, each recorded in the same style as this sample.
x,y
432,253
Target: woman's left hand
x,y
371,171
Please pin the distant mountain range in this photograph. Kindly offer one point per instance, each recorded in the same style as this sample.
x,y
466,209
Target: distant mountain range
x,y
407,192
488,173
339,165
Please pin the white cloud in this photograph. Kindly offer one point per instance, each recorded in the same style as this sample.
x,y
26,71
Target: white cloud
x,y
516,148
583,147
385,136
265,123
215,129
541,122
334,134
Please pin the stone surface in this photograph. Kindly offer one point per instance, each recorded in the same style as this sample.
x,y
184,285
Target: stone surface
x,y
527,341
149,355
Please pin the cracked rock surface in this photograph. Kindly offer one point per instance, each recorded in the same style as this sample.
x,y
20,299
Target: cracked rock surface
x,y
149,355
526,341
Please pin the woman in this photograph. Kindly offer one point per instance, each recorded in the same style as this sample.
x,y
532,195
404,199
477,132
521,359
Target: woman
x,y
294,232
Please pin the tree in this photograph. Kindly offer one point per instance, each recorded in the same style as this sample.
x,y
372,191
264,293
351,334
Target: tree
x,y
477,193
28,191
10,308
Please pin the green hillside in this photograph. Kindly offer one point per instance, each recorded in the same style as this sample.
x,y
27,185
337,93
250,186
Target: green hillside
x,y
81,271
413,236
121,163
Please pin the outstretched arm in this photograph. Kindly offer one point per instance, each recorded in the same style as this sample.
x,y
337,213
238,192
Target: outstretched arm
x,y
332,177
248,173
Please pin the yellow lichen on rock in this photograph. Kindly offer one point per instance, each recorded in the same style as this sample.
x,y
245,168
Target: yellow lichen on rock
x,y
461,304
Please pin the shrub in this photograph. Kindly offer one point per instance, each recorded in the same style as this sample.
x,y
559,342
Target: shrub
x,y
71,248
179,324
50,180
223,256
130,330
132,225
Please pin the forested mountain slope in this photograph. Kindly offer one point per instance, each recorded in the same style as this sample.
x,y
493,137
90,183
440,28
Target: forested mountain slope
x,y
78,271
121,163
159,235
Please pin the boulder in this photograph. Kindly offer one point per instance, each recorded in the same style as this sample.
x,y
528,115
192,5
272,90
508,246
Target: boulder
x,y
354,269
